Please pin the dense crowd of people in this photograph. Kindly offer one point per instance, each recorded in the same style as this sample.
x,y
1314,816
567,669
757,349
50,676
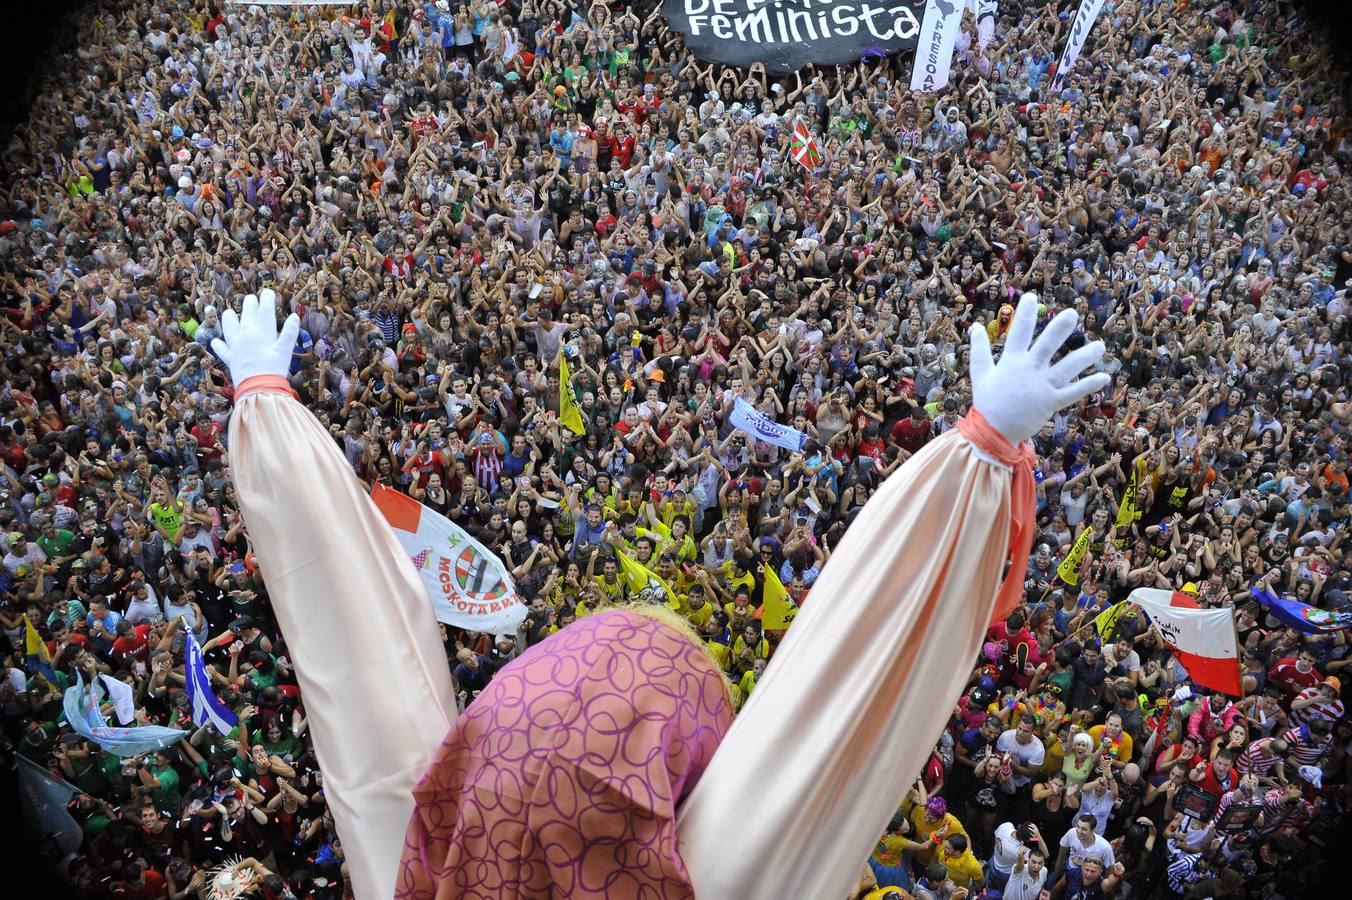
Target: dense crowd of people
x,y
456,195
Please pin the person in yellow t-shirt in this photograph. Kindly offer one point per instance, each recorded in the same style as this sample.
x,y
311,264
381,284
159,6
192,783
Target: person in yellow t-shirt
x,y
677,506
604,491
565,590
696,608
635,503
964,870
895,844
1056,749
718,639
1112,740
751,676
612,588
674,538
933,823
740,612
721,653
674,575
737,575
749,646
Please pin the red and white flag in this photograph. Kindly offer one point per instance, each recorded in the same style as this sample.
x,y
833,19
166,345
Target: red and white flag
x,y
803,147
1204,640
469,587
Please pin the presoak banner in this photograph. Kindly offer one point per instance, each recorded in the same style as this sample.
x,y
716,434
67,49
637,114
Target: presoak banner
x,y
1079,32
787,35
934,50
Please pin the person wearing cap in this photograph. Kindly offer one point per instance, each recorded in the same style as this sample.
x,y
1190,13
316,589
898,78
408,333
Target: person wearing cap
x,y
1320,701
20,551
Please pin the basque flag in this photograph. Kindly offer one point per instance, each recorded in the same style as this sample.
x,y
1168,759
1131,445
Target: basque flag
x,y
803,147
206,707
1204,640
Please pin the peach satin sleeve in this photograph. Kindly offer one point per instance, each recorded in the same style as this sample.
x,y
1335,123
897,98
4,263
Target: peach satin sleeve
x,y
856,695
358,626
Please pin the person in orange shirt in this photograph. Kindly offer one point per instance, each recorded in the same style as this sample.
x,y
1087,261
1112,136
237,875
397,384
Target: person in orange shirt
x,y
1335,473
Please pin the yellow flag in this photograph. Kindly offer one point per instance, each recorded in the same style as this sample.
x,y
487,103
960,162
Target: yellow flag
x,y
644,584
1069,570
1126,510
779,609
1106,621
39,660
570,416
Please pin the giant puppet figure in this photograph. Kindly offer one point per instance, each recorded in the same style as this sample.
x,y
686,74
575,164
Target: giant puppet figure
x,y
605,761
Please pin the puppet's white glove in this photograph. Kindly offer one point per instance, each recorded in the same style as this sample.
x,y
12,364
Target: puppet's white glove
x,y
1025,388
252,345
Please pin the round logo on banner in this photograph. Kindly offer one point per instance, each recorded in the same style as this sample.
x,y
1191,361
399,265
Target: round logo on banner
x,y
477,579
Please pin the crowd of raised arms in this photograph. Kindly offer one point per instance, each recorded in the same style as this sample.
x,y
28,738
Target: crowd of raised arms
x,y
454,196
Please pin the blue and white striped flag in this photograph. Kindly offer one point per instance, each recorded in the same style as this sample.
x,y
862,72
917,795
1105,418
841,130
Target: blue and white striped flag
x,y
206,707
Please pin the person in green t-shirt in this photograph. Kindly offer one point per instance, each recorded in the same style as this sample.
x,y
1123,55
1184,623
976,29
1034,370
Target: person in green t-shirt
x,y
37,740
79,764
166,511
56,542
278,742
161,780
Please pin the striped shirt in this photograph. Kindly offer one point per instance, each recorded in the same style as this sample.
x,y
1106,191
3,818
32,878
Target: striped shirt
x,y
1278,813
1258,759
1182,870
1329,710
1306,749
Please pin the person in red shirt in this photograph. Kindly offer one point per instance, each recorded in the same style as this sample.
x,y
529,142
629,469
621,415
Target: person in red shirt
x,y
1295,674
1311,179
872,446
11,451
427,462
215,21
1218,776
139,883
399,265
133,642
208,436
61,634
621,143
1011,633
912,433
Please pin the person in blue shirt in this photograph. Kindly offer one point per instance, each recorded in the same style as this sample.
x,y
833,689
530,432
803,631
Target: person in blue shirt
x,y
303,353
101,625
445,27
561,142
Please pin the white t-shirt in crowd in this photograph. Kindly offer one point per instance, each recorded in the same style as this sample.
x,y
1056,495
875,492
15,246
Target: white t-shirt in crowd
x,y
1100,849
1006,851
1029,754
1022,886
1100,806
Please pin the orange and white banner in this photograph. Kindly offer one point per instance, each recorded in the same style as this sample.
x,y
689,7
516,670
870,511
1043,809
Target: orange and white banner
x,y
468,585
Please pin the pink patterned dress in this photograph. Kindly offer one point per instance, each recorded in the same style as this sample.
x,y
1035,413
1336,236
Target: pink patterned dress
x,y
563,778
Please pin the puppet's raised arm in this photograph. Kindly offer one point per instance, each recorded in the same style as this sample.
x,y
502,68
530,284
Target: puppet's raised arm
x,y
849,709
357,623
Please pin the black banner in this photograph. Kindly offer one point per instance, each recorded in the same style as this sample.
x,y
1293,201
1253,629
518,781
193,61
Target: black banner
x,y
789,34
